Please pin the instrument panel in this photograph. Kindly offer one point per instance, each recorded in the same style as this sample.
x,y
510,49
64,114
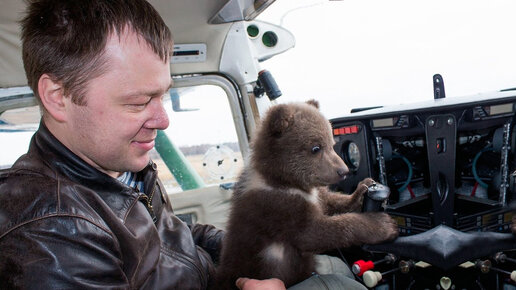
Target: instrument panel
x,y
446,162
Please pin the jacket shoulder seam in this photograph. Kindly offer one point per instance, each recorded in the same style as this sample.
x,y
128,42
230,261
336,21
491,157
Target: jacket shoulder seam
x,y
107,231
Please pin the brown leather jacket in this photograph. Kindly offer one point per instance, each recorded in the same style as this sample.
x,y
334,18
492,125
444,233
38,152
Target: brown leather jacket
x,y
66,225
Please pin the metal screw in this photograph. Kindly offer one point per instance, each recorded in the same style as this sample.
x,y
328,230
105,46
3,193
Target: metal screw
x,y
484,266
405,266
431,122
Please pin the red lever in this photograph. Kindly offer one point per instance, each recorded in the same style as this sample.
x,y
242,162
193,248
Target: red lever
x,y
360,266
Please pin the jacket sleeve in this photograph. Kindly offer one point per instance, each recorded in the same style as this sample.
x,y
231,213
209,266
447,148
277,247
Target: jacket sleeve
x,y
209,238
56,253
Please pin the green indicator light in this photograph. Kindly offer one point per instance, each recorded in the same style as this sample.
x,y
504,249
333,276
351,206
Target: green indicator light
x,y
270,39
252,31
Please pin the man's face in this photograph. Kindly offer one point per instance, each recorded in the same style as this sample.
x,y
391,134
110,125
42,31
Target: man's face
x,y
116,128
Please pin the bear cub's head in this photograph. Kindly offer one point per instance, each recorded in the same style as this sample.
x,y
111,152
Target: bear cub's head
x,y
293,147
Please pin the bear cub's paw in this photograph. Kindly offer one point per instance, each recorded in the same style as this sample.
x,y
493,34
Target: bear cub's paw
x,y
357,197
379,227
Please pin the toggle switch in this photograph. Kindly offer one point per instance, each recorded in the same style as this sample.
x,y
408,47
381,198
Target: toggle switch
x,y
440,145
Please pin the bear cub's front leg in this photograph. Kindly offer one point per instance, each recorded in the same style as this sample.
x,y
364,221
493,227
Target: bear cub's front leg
x,y
338,203
357,197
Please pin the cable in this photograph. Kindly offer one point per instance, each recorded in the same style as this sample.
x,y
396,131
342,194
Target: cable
x,y
412,194
474,166
473,192
409,165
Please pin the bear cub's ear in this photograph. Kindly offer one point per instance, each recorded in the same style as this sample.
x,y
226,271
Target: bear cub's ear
x,y
279,119
313,102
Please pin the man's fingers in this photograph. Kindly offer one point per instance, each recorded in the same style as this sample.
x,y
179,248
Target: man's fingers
x,y
267,284
240,282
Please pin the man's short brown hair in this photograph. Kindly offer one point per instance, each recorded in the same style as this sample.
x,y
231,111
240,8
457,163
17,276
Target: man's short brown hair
x,y
66,38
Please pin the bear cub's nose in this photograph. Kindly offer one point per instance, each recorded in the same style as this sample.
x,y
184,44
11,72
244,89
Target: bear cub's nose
x,y
342,171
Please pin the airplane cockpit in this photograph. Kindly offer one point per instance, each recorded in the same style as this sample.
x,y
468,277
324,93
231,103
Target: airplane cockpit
x,y
444,163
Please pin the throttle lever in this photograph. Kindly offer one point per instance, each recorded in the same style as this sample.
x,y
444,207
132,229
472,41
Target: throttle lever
x,y
376,194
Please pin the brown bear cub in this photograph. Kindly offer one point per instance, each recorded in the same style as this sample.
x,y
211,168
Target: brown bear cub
x,y
282,211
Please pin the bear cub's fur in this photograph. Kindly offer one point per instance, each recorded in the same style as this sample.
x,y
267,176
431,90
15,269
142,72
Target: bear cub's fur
x,y
282,211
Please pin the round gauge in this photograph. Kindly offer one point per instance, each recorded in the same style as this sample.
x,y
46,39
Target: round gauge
x,y
220,162
353,155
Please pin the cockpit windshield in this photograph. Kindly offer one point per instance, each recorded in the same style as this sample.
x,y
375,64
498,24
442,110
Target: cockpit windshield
x,y
352,54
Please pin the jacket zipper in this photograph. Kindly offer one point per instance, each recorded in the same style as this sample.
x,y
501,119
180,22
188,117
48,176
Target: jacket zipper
x,y
149,201
148,204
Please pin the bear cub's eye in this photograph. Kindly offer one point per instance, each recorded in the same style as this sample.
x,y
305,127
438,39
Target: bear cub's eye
x,y
316,149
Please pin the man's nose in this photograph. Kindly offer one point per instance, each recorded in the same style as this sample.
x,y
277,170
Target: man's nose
x,y
159,117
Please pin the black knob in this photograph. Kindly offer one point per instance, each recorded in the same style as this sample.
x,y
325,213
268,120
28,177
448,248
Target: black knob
x,y
376,194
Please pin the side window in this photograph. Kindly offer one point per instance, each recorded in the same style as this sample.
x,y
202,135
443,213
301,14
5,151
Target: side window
x,y
200,147
16,129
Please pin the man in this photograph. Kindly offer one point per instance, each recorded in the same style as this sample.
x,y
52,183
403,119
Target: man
x,y
99,70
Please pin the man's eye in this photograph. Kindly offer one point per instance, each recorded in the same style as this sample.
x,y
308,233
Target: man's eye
x,y
316,149
137,107
140,105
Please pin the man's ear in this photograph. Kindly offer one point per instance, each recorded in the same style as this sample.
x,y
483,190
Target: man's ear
x,y
52,97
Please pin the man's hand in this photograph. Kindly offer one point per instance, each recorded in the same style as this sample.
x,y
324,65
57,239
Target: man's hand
x,y
251,284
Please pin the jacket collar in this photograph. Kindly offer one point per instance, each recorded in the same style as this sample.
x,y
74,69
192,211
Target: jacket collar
x,y
65,163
